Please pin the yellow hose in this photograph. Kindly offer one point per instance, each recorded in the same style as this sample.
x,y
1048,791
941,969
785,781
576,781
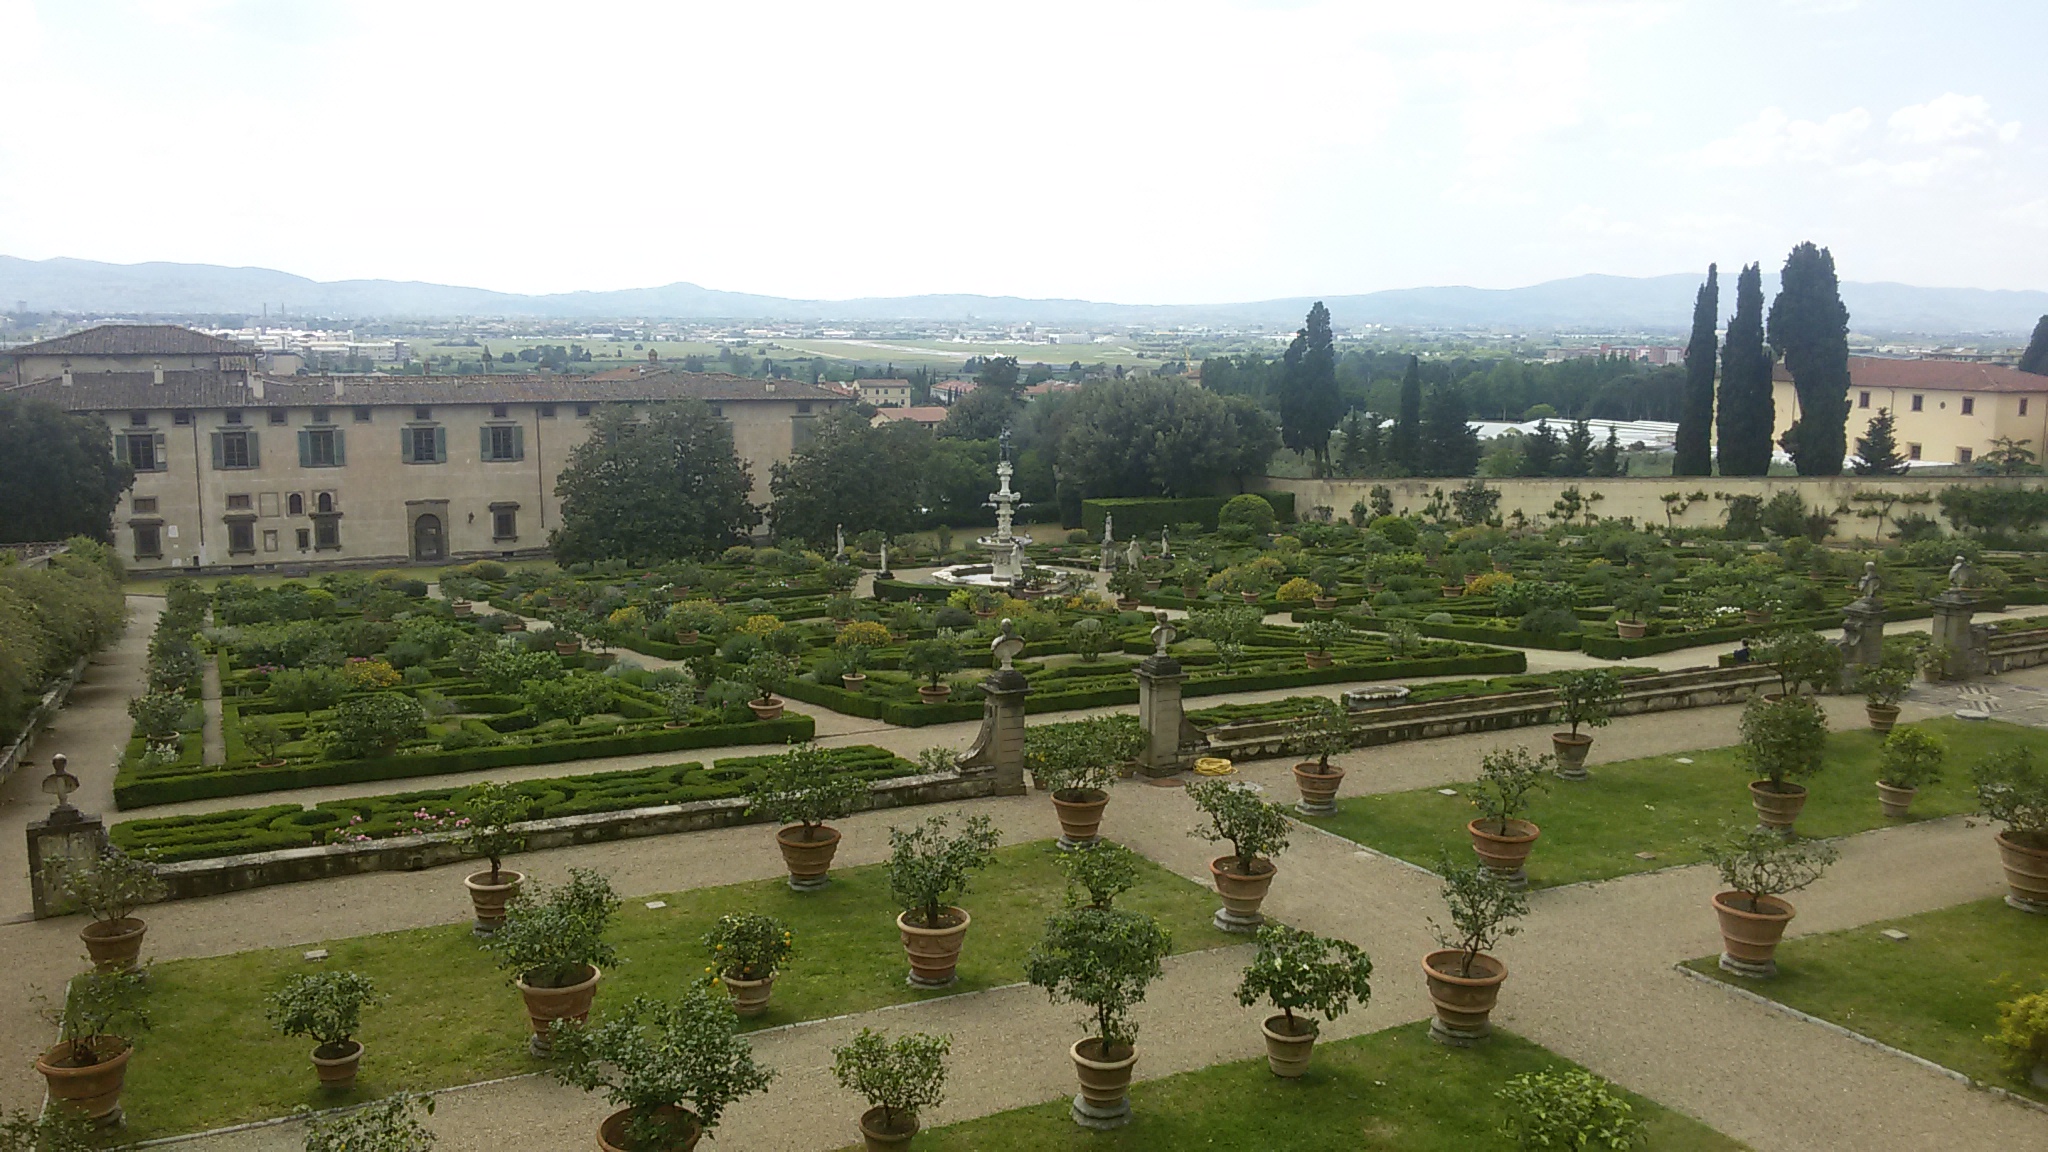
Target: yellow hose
x,y
1214,766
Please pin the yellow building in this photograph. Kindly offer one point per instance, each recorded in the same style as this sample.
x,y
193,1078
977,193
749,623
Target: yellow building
x,y
885,393
1945,411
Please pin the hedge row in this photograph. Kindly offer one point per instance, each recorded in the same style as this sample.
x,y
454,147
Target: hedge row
x,y
1146,515
281,826
132,791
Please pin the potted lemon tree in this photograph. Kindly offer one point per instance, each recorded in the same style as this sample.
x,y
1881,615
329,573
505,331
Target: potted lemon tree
x,y
110,888
553,942
328,1007
1301,971
1783,741
1500,836
2013,790
1909,760
671,1068
898,1078
1074,762
1464,977
88,1065
492,809
1758,867
802,789
747,950
1585,697
1323,732
1105,959
1256,831
927,870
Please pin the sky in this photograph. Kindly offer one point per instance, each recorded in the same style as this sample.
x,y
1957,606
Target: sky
x,y
1182,152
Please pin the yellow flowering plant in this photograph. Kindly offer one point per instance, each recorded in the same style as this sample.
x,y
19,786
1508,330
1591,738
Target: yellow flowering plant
x,y
370,674
761,625
748,946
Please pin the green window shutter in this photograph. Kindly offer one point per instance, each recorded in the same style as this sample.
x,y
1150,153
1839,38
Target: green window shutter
x,y
440,445
254,460
405,445
518,443
162,463
483,451
305,449
121,455
340,450
215,437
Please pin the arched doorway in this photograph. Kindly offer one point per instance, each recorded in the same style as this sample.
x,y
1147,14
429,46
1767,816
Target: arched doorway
x,y
427,543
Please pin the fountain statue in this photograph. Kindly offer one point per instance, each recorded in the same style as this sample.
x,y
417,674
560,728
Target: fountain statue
x,y
1005,546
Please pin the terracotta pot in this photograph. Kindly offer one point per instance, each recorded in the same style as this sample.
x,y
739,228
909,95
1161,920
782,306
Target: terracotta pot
x,y
1777,807
1881,716
853,681
934,952
1241,894
768,710
1127,604
1318,660
1080,814
1750,939
1250,597
1323,603
878,1138
1630,629
544,1006
672,725
1105,1099
2026,871
1451,591
931,695
1318,788
1190,593
1153,585
94,1091
464,608
277,762
1462,1003
1505,853
1287,1050
989,614
567,647
1752,617
749,997
611,1134
686,636
1894,801
338,1073
114,945
558,601
489,899
1571,754
515,625
808,860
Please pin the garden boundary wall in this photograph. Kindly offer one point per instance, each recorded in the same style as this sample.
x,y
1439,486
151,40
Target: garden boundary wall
x,y
53,700
1640,497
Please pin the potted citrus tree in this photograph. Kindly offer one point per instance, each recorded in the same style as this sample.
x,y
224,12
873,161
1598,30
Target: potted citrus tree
x,y
1073,762
927,869
932,661
110,888
802,789
1322,636
747,949
1256,831
1883,686
1102,871
2013,790
1585,696
264,736
1301,971
1909,760
328,1007
1635,606
553,942
1783,741
1758,867
1324,731
390,1125
899,1079
1501,837
856,644
1104,959
671,1068
1464,977
763,671
492,808
86,1068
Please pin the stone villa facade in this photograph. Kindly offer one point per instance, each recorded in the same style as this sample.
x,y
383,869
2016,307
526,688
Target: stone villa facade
x,y
237,469
1945,411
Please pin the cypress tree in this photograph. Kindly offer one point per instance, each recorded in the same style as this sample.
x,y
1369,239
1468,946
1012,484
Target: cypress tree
x,y
1809,328
1607,457
1539,450
1405,446
1577,459
1877,450
1694,452
2035,359
1744,411
1449,445
1309,403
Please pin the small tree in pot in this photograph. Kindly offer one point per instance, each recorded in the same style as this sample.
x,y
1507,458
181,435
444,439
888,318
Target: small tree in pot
x,y
2013,790
553,942
1567,1108
1322,637
672,1068
747,950
1075,763
1103,870
389,1125
1323,732
1802,658
1500,836
932,661
801,790
928,868
1300,970
1909,760
1758,867
1635,605
1464,980
1256,832
327,1006
899,1079
86,1068
264,736
2022,1037
1586,696
111,888
492,808
764,670
1883,686
1783,741
1105,959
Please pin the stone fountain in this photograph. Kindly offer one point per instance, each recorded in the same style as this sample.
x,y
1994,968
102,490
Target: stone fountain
x,y
1005,546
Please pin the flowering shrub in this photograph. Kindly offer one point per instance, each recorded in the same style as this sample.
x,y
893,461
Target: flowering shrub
x,y
748,946
862,634
366,674
629,618
1491,582
761,625
1299,588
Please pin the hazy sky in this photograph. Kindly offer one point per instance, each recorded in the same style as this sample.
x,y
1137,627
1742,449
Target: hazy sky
x,y
1187,151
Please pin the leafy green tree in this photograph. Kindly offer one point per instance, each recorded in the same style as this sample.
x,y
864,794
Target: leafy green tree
x,y
1157,436
1404,450
853,474
58,474
2035,359
1309,402
1000,374
665,488
1449,445
981,415
1540,450
1745,412
1694,451
1577,457
1809,328
1606,460
1877,450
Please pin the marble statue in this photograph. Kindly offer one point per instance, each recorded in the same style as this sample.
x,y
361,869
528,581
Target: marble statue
x,y
1868,586
1961,576
1163,635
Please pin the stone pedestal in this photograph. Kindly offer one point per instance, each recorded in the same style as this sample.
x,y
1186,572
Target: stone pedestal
x,y
998,749
1966,646
1862,640
1170,741
67,840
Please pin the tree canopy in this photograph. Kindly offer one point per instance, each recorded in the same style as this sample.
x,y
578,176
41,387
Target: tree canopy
x,y
892,479
58,474
1405,445
2035,358
1746,411
1809,329
1877,450
1309,400
1694,451
1158,436
664,488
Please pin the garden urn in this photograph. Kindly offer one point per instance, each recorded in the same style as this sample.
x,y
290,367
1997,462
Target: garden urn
x,y
853,681
1104,1101
1318,787
1505,850
1630,629
1242,893
90,1090
2025,859
1750,931
488,899
890,1135
114,945
544,1006
934,952
1463,998
337,1069
1080,815
807,852
1288,1044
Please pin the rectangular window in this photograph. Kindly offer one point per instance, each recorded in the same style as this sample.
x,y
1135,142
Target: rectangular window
x,y
270,539
803,407
234,417
239,502
1917,402
1969,405
234,449
144,451
326,533
1912,451
583,411
362,415
545,411
2023,405
423,445
504,524
1963,455
279,415
718,410
1863,399
305,539
502,442
423,413
181,419
498,412
149,544
143,505
320,416
138,419
321,448
241,536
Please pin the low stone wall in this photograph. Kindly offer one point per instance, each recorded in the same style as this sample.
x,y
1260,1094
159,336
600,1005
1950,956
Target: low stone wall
x,y
193,878
1692,688
53,700
2018,650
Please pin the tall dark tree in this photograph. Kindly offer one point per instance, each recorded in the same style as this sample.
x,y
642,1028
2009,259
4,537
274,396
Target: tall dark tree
x,y
1694,451
1157,436
1809,330
1877,450
851,474
58,474
1539,450
1404,448
1449,445
2035,358
644,491
1744,411
1309,404
1000,373
1577,457
1607,459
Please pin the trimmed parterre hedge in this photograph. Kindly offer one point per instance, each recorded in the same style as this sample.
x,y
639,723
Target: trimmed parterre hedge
x,y
281,826
1146,515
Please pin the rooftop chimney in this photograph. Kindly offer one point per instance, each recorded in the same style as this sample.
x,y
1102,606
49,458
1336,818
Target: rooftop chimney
x,y
67,375
157,373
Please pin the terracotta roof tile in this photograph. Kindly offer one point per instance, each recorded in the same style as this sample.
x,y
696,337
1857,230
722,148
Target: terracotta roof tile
x,y
135,340
1933,375
119,391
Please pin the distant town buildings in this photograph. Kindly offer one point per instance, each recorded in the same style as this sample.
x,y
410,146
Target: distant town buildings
x,y
884,393
1640,353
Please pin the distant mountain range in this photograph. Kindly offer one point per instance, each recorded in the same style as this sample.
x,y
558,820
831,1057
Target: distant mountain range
x,y
1590,303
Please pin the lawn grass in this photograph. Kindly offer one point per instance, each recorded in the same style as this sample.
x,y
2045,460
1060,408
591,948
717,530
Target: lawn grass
x,y
1934,994
1392,1090
1593,830
452,1018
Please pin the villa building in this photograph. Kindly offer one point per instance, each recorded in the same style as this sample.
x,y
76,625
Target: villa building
x,y
1946,411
